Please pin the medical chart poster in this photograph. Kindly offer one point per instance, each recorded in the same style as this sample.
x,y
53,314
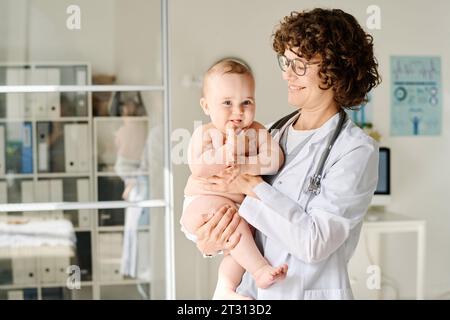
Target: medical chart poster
x,y
416,96
362,115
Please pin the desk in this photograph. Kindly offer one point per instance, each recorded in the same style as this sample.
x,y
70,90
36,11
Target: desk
x,y
388,222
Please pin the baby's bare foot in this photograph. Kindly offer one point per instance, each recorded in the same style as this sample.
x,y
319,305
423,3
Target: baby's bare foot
x,y
268,275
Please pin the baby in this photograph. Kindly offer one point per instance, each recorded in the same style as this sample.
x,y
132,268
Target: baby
x,y
231,140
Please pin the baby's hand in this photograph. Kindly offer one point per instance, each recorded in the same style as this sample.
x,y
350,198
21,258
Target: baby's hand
x,y
230,145
230,173
237,143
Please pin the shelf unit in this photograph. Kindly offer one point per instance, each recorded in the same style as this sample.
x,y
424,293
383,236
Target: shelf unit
x,y
94,287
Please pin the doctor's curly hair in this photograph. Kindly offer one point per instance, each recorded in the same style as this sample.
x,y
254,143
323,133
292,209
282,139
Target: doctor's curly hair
x,y
348,63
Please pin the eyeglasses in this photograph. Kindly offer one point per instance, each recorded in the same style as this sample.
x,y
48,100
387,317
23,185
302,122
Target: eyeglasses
x,y
298,66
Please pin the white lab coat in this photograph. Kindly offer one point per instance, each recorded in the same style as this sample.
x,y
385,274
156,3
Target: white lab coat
x,y
315,239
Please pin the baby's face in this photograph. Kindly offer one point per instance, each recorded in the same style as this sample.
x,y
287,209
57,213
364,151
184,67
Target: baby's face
x,y
230,101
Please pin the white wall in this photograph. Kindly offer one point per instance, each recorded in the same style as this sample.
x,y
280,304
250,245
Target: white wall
x,y
50,40
203,31
137,44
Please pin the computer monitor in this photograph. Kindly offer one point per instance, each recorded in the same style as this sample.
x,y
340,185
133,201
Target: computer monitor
x,y
382,196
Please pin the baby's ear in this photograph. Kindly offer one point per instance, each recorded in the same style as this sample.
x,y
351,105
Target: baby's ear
x,y
204,106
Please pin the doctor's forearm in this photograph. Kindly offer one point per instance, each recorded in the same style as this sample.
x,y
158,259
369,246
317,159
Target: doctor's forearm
x,y
310,239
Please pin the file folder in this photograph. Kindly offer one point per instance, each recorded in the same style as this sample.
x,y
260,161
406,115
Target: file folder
x,y
39,99
15,295
84,216
15,102
47,269
3,192
82,146
43,133
71,147
53,98
27,148
81,104
2,151
61,264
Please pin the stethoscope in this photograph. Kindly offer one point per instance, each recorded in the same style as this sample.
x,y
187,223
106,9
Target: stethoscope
x,y
315,180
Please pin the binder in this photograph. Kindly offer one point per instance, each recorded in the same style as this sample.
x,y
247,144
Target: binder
x,y
27,148
110,249
2,151
47,269
3,192
15,295
13,147
84,216
30,267
15,102
56,195
53,98
24,266
103,246
82,147
81,104
71,147
61,264
43,133
39,99
115,249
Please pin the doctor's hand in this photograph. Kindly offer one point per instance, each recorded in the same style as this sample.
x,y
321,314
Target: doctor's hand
x,y
228,181
218,233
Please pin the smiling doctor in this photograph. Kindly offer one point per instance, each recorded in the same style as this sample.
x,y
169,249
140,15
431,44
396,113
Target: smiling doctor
x,y
309,215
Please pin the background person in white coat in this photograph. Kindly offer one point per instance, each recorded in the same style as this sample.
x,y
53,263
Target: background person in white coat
x,y
327,60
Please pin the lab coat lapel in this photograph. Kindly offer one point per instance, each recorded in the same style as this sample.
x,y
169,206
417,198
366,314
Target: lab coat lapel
x,y
279,133
325,131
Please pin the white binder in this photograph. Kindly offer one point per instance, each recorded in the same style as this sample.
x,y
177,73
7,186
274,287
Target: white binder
x,y
47,268
39,99
61,264
82,146
3,192
115,247
15,102
2,151
15,295
104,256
24,266
43,132
53,98
71,147
84,216
56,195
81,105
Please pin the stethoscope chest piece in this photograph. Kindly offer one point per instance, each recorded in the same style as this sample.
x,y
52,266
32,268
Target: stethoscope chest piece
x,y
314,184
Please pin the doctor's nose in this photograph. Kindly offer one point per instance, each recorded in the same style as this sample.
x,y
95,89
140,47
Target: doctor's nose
x,y
288,74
